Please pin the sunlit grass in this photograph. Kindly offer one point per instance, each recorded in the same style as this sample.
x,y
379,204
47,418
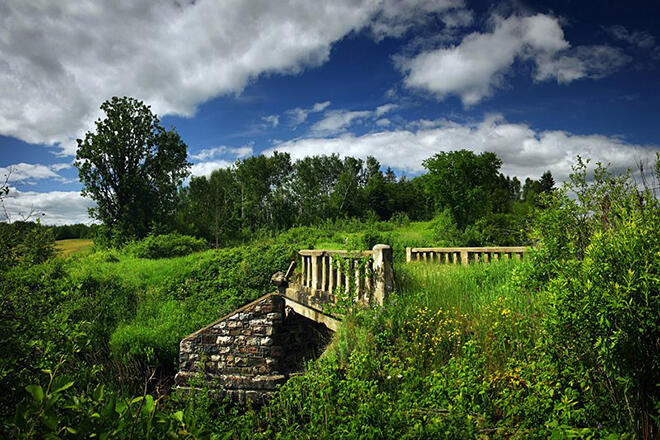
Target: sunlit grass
x,y
141,272
73,246
465,289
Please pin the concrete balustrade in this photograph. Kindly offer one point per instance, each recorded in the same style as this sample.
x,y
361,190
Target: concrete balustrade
x,y
323,273
464,255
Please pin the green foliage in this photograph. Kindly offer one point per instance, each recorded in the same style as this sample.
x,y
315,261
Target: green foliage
x,y
131,167
445,230
561,345
166,246
604,281
25,243
498,230
461,181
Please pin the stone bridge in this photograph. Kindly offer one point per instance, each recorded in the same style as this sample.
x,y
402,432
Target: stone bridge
x,y
247,354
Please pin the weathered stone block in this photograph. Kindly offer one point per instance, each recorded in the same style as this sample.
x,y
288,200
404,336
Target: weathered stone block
x,y
224,340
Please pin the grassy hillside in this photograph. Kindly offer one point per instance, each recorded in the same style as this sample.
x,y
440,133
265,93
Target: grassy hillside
x,y
562,345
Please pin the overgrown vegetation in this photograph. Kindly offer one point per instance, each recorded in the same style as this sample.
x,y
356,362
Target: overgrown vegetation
x,y
562,345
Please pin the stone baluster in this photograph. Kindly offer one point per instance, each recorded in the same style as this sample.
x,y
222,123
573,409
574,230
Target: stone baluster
x,y
331,275
315,272
324,272
383,272
464,257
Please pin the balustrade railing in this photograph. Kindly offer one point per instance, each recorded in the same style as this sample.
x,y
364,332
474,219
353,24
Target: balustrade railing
x,y
368,273
465,255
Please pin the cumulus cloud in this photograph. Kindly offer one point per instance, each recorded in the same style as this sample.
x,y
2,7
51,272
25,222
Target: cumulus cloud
x,y
53,208
396,17
60,60
210,159
210,153
206,168
336,121
524,150
29,172
385,108
475,68
299,115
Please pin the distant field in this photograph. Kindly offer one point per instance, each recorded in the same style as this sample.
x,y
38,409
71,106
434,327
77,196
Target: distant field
x,y
73,246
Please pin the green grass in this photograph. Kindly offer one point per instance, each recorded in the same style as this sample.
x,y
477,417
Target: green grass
x,y
73,246
465,289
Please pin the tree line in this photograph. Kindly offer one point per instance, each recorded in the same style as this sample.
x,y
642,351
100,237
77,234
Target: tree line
x,y
134,169
277,193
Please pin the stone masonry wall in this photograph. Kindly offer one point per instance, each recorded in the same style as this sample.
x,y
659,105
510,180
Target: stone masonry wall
x,y
249,353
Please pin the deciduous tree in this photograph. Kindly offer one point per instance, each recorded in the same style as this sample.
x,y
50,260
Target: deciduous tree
x,y
131,167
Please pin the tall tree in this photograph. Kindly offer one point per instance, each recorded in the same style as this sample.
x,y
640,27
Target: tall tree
x,y
462,182
376,190
131,167
547,182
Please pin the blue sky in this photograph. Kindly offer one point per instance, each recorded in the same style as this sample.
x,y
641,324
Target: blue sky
x,y
535,82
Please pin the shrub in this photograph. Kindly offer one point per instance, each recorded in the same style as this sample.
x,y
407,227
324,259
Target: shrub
x,y
400,219
497,230
167,246
605,312
445,230
598,260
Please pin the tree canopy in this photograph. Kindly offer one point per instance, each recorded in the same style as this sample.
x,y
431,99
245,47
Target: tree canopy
x,y
131,167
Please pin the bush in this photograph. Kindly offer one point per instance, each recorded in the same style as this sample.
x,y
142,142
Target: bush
x,y
366,240
497,230
400,219
445,230
598,261
167,246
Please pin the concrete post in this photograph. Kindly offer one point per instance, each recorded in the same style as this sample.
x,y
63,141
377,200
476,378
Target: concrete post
x,y
383,272
464,257
315,272
324,272
408,255
331,275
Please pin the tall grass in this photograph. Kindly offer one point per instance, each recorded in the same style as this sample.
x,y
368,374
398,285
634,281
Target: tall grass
x,y
464,289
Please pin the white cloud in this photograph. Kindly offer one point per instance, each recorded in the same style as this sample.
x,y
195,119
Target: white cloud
x,y
60,60
299,115
206,168
338,120
272,120
384,122
210,158
210,153
476,67
385,108
28,172
584,61
53,208
396,17
640,39
524,151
